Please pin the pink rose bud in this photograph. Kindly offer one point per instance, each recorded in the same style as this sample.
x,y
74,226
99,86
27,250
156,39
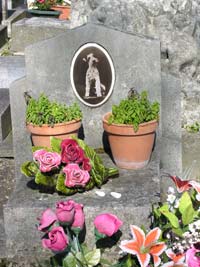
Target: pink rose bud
x,y
47,160
191,259
71,152
47,219
58,240
65,211
107,224
86,164
79,217
75,176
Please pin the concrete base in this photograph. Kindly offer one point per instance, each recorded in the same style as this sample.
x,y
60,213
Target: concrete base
x,y
11,69
138,188
31,30
6,147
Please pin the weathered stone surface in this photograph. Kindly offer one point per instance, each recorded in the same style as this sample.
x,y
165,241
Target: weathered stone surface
x,y
3,35
171,145
48,69
191,156
138,188
29,31
11,69
5,117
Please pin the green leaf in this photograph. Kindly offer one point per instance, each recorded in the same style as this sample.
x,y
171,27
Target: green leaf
x,y
98,235
29,168
60,186
178,231
170,216
45,179
55,144
70,261
93,257
186,208
35,148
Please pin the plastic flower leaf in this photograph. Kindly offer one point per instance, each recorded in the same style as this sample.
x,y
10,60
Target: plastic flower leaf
x,y
144,247
177,260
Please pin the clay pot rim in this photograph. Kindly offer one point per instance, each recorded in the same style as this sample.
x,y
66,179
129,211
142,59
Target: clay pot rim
x,y
55,125
125,125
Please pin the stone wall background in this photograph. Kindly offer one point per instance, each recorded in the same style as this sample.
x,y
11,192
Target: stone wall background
x,y
175,22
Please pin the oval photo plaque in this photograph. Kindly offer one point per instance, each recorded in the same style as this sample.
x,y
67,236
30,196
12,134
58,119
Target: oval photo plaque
x,y
92,74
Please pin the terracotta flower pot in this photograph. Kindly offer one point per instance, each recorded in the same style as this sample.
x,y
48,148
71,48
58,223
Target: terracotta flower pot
x,y
41,134
130,149
64,11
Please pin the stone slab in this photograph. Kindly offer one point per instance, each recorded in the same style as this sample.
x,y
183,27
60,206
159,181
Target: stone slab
x,y
3,35
31,30
6,147
5,116
11,69
171,148
48,69
138,188
191,156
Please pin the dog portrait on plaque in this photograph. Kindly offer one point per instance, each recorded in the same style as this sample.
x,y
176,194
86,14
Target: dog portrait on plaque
x,y
92,74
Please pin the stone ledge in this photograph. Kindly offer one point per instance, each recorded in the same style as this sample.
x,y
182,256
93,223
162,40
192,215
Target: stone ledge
x,y
138,188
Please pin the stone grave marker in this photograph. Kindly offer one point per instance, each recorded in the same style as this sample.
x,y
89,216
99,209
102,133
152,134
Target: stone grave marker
x,y
136,62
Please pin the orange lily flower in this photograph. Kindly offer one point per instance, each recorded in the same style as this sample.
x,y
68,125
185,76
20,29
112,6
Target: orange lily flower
x,y
144,247
177,260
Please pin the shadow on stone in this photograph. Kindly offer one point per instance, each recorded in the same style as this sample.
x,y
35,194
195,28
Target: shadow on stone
x,y
109,242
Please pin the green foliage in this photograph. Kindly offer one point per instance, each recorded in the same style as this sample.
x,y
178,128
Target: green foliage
x,y
45,5
29,168
43,111
193,128
135,110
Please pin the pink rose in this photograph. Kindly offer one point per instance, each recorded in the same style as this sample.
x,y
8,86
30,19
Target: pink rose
x,y
191,259
107,224
71,152
57,241
41,1
47,160
86,164
65,211
47,219
79,217
75,176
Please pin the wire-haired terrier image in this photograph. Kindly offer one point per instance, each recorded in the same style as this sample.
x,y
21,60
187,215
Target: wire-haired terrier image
x,y
93,77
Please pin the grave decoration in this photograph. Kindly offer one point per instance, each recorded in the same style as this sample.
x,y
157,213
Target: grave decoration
x,y
173,240
69,166
43,8
131,130
45,118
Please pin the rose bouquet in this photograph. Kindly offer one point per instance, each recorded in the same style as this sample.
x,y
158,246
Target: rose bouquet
x,y
172,241
63,229
69,166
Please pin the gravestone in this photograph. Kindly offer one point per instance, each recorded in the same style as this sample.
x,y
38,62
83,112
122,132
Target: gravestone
x,y
136,62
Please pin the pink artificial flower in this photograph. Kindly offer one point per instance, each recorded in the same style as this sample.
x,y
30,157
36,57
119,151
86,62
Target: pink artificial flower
x,y
86,164
107,224
47,160
58,240
177,260
184,185
191,259
65,211
75,176
71,151
47,219
41,1
144,246
79,217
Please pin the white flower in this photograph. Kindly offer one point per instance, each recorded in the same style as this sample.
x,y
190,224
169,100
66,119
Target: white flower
x,y
176,205
171,198
198,197
170,190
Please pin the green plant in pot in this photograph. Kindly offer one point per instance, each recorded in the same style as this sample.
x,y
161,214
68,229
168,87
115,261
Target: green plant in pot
x,y
131,130
45,118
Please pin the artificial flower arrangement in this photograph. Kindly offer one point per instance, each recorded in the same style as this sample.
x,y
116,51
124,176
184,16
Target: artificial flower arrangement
x,y
173,241
69,166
